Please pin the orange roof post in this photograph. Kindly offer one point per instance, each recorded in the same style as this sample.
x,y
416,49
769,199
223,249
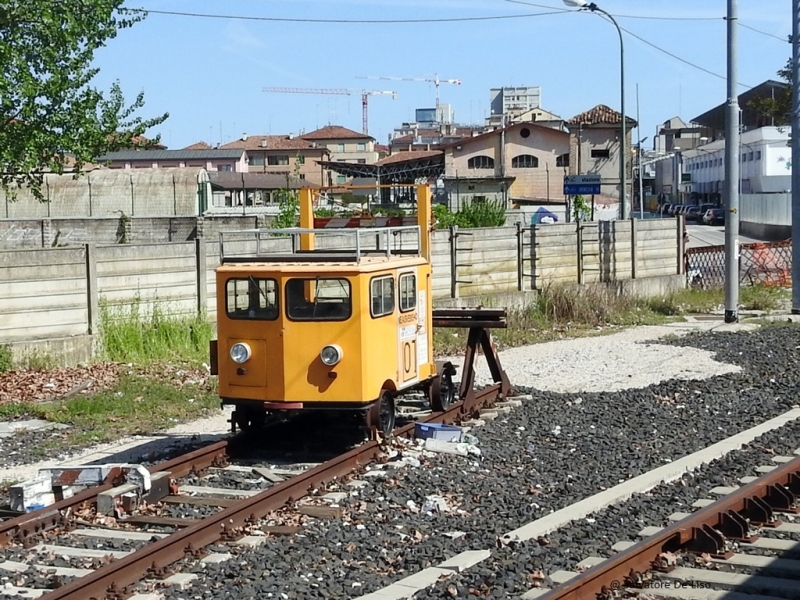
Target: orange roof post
x,y
306,218
424,220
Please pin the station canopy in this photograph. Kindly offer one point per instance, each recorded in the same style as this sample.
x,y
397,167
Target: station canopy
x,y
401,167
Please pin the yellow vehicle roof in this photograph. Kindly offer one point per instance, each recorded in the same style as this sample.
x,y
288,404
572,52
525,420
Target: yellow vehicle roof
x,y
368,264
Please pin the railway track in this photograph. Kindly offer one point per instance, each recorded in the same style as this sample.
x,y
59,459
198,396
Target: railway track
x,y
156,543
733,547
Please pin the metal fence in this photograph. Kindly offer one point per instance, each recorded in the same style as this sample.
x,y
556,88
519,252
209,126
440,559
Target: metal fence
x,y
767,264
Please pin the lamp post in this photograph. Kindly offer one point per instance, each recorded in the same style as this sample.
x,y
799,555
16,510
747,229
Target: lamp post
x,y
623,175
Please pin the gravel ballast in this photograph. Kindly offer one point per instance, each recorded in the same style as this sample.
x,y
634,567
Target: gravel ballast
x,y
552,451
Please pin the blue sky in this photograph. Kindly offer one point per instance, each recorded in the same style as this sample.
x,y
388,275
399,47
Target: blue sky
x,y
208,73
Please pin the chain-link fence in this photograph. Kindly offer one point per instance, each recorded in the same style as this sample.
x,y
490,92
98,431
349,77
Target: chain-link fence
x,y
767,264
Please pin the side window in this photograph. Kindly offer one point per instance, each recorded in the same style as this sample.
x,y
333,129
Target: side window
x,y
252,298
381,293
408,292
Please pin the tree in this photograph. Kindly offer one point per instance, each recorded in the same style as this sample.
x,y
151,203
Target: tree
x,y
49,112
779,107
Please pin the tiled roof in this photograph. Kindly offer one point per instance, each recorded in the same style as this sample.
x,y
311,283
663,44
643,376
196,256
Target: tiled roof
x,y
335,132
600,115
198,146
272,142
403,156
155,155
228,180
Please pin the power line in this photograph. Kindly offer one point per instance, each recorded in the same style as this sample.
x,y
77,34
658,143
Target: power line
x,y
343,21
625,16
777,37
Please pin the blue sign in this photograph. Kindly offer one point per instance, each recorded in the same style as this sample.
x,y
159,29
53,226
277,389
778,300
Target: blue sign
x,y
575,185
580,190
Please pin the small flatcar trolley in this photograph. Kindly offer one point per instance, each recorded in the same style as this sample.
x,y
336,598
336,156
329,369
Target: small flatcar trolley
x,y
337,318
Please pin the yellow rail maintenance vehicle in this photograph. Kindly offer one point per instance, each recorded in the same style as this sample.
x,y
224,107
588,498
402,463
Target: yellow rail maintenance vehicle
x,y
328,318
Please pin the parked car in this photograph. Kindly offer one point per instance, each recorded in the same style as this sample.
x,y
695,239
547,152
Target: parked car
x,y
704,208
714,216
692,213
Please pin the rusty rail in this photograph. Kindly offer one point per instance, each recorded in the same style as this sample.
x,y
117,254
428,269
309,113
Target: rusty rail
x,y
21,528
110,580
705,531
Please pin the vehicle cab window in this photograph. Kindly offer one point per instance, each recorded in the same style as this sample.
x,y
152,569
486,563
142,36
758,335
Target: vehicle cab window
x,y
408,292
318,299
381,296
252,298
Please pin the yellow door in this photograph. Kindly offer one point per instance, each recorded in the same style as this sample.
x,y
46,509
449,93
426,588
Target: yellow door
x,y
408,325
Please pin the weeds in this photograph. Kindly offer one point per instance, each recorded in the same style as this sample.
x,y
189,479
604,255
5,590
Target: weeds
x,y
6,358
130,336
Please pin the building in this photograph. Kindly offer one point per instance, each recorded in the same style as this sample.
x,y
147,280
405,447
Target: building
x,y
595,147
765,166
215,159
345,146
537,115
257,192
524,162
282,155
512,102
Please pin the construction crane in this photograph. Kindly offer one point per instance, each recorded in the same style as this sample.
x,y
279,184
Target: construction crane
x,y
436,81
365,94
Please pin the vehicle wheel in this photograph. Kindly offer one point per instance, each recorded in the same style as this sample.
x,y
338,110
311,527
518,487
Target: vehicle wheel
x,y
248,419
381,415
443,391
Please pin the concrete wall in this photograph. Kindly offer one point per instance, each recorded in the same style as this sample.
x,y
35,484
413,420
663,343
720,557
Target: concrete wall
x,y
766,216
57,292
46,233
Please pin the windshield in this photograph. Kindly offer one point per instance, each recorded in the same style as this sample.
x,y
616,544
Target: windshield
x,y
318,299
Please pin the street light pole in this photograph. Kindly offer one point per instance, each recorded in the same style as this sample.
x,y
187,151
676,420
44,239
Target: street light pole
x,y
623,173
732,175
795,156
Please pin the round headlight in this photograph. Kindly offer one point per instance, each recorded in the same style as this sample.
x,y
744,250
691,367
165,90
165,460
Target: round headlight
x,y
331,355
240,353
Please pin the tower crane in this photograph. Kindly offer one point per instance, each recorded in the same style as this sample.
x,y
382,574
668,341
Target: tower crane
x,y
436,81
365,94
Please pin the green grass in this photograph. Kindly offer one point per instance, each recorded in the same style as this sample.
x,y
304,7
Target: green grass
x,y
6,358
130,336
137,405
567,311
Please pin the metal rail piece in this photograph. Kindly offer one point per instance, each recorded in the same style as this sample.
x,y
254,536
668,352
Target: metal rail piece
x,y
706,531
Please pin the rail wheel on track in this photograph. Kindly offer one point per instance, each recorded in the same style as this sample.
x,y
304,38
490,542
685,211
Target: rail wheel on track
x,y
442,391
248,419
381,415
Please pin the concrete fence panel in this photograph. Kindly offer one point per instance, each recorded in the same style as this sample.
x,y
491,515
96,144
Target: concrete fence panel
x,y
43,293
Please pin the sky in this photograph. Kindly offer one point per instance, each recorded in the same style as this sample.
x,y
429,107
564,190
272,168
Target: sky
x,y
208,73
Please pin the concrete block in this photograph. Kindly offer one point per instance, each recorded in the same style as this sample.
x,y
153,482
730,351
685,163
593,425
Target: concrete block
x,y
356,484
180,581
79,552
559,577
534,593
465,560
509,403
590,561
501,409
250,541
159,487
622,546
679,516
216,558
114,501
748,479
23,592
334,497
724,490
118,534
766,468
199,490
489,415
783,459
268,474
475,423
702,502
648,531
522,397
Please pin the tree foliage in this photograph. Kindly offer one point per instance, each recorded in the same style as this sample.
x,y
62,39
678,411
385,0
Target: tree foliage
x,y
779,107
49,111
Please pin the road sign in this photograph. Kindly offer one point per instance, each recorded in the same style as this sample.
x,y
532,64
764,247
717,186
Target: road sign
x,y
581,184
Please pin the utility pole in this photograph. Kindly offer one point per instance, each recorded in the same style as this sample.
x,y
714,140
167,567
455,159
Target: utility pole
x,y
732,174
795,156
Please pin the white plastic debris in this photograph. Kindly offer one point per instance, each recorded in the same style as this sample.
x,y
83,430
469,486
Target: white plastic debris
x,y
457,448
435,504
